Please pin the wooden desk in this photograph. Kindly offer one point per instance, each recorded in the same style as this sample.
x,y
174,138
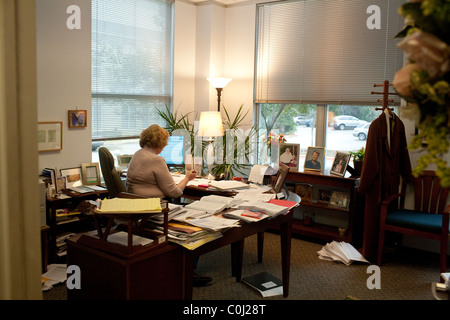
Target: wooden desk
x,y
167,271
55,203
235,237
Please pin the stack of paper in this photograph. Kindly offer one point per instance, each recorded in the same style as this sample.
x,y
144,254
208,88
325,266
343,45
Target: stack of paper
x,y
228,185
213,203
190,236
126,205
241,214
341,252
271,209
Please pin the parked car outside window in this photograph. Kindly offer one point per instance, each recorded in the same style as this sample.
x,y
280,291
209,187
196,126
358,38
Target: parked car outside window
x,y
344,122
361,131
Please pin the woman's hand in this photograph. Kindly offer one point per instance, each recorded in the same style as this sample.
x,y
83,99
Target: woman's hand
x,y
191,175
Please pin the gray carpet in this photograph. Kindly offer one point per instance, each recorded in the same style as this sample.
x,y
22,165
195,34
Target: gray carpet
x,y
406,275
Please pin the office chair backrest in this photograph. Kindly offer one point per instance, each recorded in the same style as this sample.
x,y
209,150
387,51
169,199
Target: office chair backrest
x,y
112,179
429,195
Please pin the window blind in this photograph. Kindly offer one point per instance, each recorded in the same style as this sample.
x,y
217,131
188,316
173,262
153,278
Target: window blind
x,y
131,65
322,51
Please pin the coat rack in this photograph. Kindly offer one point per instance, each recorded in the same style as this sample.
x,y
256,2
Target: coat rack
x,y
385,94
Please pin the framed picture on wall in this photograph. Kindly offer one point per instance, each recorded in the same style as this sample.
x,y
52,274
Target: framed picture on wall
x,y
340,163
49,136
77,118
289,153
91,173
314,160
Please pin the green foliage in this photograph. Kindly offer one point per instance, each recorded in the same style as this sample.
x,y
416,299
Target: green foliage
x,y
358,155
429,86
175,121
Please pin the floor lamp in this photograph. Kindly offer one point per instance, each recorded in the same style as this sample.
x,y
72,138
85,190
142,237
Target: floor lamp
x,y
219,84
210,126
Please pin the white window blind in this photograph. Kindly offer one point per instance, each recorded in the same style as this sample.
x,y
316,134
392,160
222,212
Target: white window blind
x,y
321,51
131,65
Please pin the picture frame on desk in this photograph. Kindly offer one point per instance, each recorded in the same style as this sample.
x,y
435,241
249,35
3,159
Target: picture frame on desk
x,y
50,136
77,118
73,177
90,173
340,163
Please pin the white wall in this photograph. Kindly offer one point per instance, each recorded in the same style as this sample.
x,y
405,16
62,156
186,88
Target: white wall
x,y
64,78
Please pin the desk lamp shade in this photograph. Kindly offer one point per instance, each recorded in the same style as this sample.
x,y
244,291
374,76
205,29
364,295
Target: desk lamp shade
x,y
210,124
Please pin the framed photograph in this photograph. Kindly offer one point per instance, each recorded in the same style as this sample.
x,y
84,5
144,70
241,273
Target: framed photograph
x,y
49,136
340,200
314,160
324,196
90,173
305,191
73,177
77,118
289,155
340,163
280,178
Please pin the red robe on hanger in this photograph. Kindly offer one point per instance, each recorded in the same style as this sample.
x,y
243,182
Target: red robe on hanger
x,y
385,161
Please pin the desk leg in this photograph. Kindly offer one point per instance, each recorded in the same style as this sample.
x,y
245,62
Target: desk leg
x,y
188,275
260,246
285,237
237,252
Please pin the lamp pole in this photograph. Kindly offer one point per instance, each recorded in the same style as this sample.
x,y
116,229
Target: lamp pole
x,y
219,93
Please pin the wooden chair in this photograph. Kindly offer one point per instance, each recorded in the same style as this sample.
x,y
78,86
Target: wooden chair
x,y
429,218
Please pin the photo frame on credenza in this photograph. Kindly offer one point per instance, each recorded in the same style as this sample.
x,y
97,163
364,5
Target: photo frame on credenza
x,y
315,158
340,163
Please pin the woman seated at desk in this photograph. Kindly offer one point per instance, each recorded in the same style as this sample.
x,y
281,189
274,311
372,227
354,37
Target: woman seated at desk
x,y
148,174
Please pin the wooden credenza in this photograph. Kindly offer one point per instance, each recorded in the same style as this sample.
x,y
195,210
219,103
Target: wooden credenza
x,y
354,212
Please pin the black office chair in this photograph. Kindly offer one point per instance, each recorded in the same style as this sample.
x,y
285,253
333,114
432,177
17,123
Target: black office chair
x,y
113,182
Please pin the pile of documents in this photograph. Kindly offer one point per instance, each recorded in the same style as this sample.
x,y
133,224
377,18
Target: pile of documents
x,y
126,205
270,209
341,252
213,203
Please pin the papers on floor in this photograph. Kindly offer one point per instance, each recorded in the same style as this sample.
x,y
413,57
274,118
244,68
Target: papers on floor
x,y
265,283
213,203
56,273
258,172
341,252
126,205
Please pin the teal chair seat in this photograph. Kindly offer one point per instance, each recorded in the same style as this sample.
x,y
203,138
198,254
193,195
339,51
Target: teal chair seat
x,y
416,220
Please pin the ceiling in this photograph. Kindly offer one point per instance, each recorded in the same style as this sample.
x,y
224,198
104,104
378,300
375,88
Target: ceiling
x,y
224,2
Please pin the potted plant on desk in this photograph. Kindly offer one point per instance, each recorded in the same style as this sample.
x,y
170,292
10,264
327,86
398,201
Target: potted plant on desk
x,y
228,170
